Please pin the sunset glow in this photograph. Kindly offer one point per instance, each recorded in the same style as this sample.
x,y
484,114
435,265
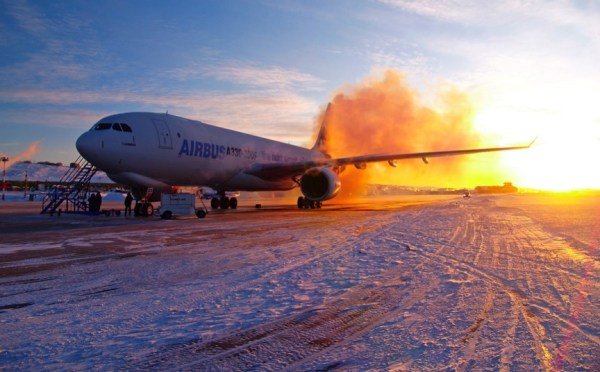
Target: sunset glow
x,y
383,114
563,156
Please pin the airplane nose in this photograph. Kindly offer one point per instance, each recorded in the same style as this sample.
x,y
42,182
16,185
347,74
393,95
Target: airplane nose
x,y
84,145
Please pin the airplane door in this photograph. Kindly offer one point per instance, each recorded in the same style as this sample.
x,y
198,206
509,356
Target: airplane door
x,y
164,134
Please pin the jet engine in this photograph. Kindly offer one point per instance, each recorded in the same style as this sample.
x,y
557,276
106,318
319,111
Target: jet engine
x,y
320,183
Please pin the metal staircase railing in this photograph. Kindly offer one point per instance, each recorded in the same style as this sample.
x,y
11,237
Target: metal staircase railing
x,y
71,189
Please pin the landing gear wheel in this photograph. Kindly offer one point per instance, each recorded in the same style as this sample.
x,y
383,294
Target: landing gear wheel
x,y
300,202
147,210
318,204
166,215
233,203
214,203
200,213
224,203
311,204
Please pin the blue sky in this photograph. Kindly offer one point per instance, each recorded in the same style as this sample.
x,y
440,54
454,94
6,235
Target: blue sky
x,y
268,67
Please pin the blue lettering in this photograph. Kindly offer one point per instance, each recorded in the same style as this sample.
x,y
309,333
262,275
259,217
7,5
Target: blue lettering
x,y
198,150
207,150
184,148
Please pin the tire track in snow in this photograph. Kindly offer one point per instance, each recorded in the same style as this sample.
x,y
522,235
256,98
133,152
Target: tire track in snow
x,y
470,338
533,324
508,252
534,272
296,340
325,251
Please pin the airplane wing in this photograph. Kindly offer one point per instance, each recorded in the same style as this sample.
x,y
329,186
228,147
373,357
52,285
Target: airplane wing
x,y
277,171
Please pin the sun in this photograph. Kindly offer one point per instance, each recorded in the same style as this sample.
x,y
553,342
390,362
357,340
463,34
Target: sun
x,y
564,156
557,164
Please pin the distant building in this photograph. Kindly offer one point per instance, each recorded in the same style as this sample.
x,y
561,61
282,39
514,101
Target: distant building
x,y
59,164
507,188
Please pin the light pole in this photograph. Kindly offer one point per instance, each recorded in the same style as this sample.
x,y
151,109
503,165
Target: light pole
x,y
25,188
4,160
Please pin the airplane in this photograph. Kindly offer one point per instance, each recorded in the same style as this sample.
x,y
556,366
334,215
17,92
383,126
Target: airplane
x,y
154,153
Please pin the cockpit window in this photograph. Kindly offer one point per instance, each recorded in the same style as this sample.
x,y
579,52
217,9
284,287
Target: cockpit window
x,y
120,127
102,126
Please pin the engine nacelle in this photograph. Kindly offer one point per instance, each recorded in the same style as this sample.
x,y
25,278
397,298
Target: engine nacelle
x,y
320,183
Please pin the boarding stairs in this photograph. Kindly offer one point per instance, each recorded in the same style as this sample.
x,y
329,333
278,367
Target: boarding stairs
x,y
71,189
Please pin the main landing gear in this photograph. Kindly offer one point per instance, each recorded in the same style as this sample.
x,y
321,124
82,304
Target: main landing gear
x,y
143,209
305,203
224,203
143,196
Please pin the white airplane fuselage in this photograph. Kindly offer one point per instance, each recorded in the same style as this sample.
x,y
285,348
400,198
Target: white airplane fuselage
x,y
163,150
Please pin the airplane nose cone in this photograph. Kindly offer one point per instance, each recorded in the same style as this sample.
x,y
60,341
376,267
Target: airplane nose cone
x,y
84,145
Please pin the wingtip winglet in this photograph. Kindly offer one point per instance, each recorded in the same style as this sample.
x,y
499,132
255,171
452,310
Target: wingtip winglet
x,y
532,142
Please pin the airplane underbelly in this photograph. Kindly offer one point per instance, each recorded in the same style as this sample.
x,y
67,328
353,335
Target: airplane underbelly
x,y
248,182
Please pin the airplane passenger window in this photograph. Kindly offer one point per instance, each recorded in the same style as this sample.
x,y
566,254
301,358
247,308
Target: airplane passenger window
x,y
102,126
117,126
126,128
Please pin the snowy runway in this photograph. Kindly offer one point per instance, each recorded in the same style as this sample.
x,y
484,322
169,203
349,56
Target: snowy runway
x,y
491,282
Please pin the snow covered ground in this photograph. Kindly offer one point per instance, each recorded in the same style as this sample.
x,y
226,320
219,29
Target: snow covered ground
x,y
492,282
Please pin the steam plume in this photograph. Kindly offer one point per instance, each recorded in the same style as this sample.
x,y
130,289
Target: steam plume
x,y
28,154
385,116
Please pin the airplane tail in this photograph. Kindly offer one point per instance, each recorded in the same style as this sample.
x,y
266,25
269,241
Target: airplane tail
x,y
321,142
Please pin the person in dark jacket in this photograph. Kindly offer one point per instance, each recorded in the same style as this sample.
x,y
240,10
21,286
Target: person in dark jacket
x,y
98,201
92,203
127,202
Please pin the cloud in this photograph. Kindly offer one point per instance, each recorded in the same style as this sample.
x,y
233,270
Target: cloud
x,y
509,12
281,115
441,9
248,74
53,117
54,57
540,53
27,17
396,53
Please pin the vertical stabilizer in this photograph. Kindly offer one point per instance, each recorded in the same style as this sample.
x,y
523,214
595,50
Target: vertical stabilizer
x,y
321,142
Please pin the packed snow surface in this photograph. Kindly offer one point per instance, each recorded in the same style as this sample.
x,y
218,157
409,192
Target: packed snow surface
x,y
492,282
